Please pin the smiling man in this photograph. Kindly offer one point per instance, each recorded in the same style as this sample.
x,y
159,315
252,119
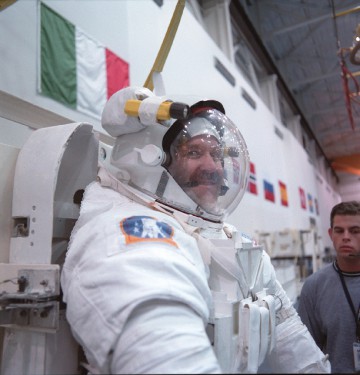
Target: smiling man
x,y
198,162
330,298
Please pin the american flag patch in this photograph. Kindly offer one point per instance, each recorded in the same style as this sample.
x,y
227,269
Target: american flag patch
x,y
146,229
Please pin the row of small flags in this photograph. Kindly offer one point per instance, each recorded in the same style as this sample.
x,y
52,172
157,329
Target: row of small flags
x,y
269,193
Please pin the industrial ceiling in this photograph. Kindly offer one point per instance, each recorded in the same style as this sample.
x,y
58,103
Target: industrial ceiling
x,y
312,46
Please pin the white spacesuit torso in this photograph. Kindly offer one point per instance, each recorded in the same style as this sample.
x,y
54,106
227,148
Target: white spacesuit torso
x,y
248,304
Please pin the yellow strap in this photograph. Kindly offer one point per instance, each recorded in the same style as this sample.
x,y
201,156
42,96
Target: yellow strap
x,y
5,3
166,44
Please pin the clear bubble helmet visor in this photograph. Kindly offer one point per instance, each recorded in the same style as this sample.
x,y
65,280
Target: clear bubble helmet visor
x,y
208,158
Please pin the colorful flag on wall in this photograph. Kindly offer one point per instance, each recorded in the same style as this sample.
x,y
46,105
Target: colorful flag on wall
x,y
252,187
283,194
75,69
269,191
310,201
302,198
316,206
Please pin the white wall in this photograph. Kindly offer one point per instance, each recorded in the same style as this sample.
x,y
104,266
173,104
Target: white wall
x,y
134,30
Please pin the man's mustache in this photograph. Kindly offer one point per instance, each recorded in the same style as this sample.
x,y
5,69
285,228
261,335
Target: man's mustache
x,y
204,177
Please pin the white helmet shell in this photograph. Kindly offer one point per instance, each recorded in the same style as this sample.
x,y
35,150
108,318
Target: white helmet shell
x,y
146,158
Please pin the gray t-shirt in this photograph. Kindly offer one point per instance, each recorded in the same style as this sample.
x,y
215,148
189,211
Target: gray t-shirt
x,y
325,310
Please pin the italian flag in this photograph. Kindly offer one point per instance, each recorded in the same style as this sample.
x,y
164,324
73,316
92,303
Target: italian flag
x,y
75,69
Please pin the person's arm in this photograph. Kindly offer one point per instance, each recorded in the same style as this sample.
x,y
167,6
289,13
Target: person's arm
x,y
295,349
306,310
164,336
140,307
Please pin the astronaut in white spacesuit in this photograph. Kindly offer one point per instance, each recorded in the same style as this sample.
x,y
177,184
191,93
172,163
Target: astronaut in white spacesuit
x,y
154,280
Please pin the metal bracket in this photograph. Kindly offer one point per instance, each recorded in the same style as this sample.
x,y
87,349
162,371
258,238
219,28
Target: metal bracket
x,y
33,316
20,226
34,305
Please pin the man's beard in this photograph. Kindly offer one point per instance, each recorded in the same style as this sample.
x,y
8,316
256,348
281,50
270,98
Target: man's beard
x,y
208,198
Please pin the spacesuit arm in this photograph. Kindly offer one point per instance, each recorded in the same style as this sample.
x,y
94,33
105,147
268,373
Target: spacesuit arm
x,y
162,335
136,304
295,350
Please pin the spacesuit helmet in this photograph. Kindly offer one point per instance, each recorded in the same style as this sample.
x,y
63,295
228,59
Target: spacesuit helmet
x,y
208,158
198,165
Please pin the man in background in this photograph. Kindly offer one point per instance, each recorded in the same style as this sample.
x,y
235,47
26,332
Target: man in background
x,y
329,303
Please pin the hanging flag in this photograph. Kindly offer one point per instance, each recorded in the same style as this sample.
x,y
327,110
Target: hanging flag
x,y
310,201
283,194
302,198
75,69
316,207
269,191
252,187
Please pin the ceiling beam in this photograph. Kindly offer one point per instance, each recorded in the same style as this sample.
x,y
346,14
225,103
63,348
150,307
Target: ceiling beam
x,y
295,84
297,26
321,18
